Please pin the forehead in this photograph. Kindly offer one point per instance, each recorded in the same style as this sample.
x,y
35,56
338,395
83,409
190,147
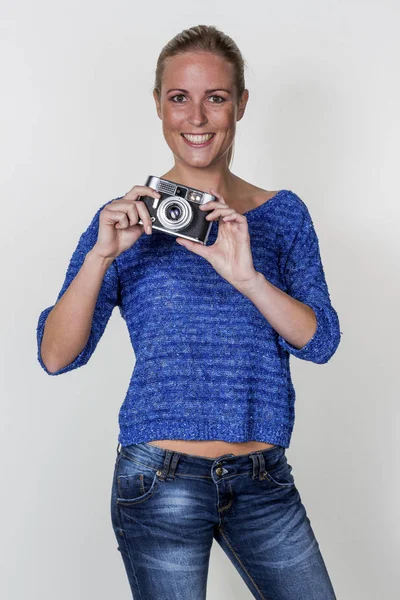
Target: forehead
x,y
197,70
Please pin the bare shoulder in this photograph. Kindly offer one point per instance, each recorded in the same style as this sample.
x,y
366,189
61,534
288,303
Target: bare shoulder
x,y
251,196
264,195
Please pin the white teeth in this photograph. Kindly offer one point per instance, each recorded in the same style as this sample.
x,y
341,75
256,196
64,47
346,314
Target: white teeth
x,y
198,139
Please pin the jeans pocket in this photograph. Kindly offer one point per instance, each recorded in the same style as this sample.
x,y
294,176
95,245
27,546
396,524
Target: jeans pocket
x,y
135,481
280,475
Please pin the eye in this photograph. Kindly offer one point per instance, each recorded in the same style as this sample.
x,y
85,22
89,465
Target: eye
x,y
220,97
221,100
177,96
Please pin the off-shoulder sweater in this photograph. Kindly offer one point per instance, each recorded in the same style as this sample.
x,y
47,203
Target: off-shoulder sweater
x,y
209,366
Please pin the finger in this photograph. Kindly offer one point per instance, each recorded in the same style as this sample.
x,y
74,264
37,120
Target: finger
x,y
118,218
195,247
141,190
212,204
132,215
235,217
144,216
123,222
219,212
218,195
135,210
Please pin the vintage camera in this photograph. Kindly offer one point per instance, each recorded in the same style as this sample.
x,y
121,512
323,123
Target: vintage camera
x,y
177,210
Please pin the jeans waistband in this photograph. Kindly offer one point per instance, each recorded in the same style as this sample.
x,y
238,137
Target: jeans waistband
x,y
169,462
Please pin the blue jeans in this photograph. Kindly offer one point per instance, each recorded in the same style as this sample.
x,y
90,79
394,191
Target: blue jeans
x,y
167,508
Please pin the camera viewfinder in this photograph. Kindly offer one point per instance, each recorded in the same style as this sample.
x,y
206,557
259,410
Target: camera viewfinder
x,y
181,191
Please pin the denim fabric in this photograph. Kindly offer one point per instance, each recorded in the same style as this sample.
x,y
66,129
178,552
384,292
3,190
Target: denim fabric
x,y
167,508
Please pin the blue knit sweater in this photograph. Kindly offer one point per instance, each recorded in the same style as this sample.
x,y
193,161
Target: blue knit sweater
x,y
209,366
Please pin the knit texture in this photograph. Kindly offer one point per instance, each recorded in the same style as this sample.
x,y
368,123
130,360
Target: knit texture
x,y
209,366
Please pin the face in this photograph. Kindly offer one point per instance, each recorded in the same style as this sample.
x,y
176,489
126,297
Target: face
x,y
198,97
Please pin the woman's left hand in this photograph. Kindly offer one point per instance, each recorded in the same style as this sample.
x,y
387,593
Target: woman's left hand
x,y
230,255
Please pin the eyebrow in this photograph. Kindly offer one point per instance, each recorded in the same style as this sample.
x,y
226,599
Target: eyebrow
x,y
207,91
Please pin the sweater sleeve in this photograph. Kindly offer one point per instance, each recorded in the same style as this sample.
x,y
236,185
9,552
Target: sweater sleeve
x,y
108,298
305,280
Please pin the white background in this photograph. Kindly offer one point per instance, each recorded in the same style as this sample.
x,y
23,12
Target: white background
x,y
79,127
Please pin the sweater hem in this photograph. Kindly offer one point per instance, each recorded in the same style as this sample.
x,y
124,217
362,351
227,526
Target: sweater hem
x,y
148,431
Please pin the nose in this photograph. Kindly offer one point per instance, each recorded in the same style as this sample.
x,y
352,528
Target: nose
x,y
198,115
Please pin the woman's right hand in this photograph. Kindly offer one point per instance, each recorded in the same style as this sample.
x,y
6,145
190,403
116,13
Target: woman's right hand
x,y
118,223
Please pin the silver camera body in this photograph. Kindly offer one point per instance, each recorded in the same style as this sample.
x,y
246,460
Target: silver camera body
x,y
177,210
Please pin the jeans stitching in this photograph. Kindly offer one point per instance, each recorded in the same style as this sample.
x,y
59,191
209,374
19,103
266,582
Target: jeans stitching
x,y
242,565
130,502
137,462
126,546
222,508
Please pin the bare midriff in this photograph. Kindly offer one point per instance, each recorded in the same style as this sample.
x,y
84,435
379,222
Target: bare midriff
x,y
210,448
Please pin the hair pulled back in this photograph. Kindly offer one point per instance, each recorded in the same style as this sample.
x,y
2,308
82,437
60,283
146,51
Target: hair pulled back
x,y
209,39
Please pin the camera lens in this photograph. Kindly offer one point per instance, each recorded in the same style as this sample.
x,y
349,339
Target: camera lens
x,y
174,212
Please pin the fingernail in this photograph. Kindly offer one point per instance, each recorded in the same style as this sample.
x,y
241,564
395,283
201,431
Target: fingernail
x,y
148,229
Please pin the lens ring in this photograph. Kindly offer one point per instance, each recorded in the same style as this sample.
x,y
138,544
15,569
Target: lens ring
x,y
187,213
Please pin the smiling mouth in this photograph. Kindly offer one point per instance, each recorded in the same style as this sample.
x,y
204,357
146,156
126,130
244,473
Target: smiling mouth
x,y
198,140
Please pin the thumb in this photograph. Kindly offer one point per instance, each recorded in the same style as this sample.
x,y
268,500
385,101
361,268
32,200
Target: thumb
x,y
195,247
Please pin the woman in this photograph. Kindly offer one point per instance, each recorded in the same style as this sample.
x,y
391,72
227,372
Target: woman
x,y
210,407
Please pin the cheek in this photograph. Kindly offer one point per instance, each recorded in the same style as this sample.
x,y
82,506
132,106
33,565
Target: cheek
x,y
172,119
224,119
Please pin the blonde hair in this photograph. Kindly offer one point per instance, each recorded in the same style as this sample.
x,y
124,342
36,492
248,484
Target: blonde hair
x,y
206,38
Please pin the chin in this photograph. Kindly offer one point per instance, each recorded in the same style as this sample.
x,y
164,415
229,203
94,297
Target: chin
x,y
196,163
191,160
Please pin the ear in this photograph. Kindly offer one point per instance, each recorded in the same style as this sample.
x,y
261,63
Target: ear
x,y
157,101
242,104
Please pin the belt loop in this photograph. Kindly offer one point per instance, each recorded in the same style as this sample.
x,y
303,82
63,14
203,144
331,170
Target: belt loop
x,y
174,462
258,461
262,465
118,448
167,461
255,463
170,462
